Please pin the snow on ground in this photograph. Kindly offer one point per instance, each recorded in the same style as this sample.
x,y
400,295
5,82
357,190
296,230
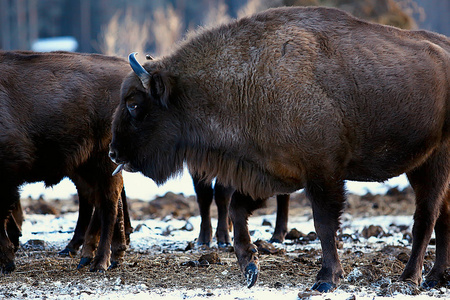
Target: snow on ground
x,y
57,231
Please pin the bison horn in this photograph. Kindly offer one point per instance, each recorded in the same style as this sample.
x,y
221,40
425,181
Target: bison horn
x,y
118,169
139,70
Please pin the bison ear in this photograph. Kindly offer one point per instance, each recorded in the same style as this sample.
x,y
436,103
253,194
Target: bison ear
x,y
160,85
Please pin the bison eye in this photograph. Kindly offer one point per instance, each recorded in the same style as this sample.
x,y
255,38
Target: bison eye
x,y
132,108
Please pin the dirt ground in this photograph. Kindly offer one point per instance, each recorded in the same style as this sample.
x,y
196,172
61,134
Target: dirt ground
x,y
169,270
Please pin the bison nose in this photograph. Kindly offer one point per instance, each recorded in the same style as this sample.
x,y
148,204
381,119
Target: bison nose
x,y
113,154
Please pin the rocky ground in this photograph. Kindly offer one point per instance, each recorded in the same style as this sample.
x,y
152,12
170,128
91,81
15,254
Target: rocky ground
x,y
371,268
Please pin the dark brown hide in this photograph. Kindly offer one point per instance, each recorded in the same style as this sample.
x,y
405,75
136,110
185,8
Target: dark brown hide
x,y
55,115
297,98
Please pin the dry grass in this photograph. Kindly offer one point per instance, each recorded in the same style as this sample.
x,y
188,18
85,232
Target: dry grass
x,y
123,35
162,29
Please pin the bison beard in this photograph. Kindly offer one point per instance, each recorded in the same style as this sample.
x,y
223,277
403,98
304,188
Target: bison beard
x,y
297,98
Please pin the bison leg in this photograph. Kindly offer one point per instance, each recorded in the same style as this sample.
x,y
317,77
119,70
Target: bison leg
x,y
14,225
11,198
442,231
84,217
327,200
241,207
107,206
126,216
222,196
91,239
204,193
282,219
430,182
118,244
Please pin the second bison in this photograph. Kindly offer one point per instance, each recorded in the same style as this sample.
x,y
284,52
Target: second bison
x,y
55,122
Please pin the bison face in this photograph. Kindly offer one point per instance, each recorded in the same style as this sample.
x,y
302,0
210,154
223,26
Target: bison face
x,y
145,128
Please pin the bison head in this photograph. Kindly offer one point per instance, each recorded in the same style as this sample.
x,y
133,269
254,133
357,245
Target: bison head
x,y
146,129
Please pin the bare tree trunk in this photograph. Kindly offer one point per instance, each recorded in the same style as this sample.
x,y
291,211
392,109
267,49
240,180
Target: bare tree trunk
x,y
33,26
22,24
85,15
5,26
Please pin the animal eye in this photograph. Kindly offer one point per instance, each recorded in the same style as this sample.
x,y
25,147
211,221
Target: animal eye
x,y
132,108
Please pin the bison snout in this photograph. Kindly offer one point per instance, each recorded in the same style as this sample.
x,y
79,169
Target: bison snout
x,y
113,154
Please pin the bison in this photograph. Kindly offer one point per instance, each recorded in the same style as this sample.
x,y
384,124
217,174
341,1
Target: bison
x,y
294,98
55,122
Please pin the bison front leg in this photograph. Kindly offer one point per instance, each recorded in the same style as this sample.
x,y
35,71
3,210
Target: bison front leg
x,y
327,199
282,219
241,207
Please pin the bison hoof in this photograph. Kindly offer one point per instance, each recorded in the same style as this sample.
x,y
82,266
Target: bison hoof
x,y
251,274
323,287
203,244
68,252
8,267
98,270
84,261
429,284
223,245
114,265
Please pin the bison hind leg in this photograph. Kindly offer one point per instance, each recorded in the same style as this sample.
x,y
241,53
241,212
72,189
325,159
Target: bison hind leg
x,y
205,194
430,182
222,196
281,228
436,276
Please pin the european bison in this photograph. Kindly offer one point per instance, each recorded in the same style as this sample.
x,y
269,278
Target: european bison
x,y
222,195
295,98
55,121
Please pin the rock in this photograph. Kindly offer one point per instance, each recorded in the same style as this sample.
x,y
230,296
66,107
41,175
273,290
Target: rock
x,y
372,230
35,245
211,258
266,223
294,234
403,257
267,248
312,236
41,207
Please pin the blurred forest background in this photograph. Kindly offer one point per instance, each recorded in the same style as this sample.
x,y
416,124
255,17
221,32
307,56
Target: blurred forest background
x,y
118,27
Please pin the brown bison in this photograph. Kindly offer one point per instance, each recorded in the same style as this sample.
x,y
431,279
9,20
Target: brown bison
x,y
55,122
295,98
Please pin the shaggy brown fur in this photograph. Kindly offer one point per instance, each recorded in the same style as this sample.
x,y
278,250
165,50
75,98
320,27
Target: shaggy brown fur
x,y
55,120
297,98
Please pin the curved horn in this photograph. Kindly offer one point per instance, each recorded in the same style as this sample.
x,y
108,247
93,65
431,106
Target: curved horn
x,y
139,70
